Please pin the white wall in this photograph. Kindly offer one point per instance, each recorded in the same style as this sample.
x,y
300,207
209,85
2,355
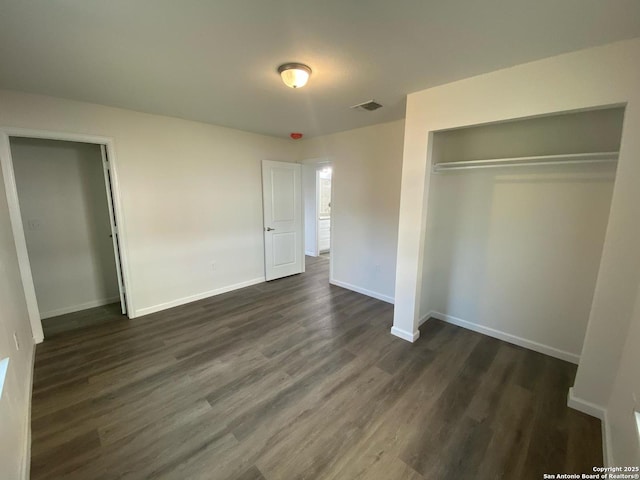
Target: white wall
x,y
191,194
518,251
63,203
16,397
606,75
364,206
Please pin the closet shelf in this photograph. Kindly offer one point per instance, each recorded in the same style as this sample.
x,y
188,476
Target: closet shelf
x,y
566,159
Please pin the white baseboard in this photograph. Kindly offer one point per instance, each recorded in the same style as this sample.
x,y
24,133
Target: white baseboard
x,y
426,317
78,308
585,407
507,337
599,412
309,253
26,456
403,334
193,298
363,291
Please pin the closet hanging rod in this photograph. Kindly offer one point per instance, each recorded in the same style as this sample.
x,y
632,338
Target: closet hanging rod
x,y
565,159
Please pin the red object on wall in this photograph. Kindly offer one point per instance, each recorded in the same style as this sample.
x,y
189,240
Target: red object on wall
x,y
296,136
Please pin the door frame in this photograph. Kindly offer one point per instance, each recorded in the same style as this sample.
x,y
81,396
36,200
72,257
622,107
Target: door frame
x,y
113,223
17,227
316,211
319,168
318,163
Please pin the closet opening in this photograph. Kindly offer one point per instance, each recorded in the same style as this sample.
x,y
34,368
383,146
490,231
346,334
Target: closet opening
x,y
65,222
516,222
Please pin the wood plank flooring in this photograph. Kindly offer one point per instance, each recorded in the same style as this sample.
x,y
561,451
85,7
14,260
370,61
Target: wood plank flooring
x,y
82,319
296,379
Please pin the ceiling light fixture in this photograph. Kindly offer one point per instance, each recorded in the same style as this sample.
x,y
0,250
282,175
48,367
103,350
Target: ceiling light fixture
x,y
294,75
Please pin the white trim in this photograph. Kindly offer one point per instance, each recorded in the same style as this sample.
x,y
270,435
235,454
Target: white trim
x,y
607,454
78,308
106,172
309,253
316,214
193,298
11,191
50,135
331,217
316,161
363,291
585,407
26,458
596,411
122,234
507,337
403,334
16,219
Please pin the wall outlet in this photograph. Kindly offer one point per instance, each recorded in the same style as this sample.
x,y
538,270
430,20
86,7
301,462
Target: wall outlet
x,y
213,265
377,268
15,339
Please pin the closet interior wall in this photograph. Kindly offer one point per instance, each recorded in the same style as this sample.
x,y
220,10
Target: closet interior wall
x,y
514,252
63,204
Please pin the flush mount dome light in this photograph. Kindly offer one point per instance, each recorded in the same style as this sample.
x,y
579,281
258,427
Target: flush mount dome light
x,y
294,75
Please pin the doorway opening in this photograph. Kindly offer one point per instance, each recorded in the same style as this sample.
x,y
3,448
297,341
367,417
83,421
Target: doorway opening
x,y
323,231
63,203
317,183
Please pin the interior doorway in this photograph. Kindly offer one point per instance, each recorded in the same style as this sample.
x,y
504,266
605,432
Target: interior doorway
x,y
63,202
317,180
317,187
323,182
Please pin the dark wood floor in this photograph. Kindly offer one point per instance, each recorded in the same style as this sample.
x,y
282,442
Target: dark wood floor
x,y
297,379
83,319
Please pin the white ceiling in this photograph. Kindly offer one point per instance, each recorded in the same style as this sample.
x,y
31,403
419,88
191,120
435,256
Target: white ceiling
x,y
215,60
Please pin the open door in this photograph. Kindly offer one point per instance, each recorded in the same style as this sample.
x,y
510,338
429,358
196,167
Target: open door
x,y
114,226
283,228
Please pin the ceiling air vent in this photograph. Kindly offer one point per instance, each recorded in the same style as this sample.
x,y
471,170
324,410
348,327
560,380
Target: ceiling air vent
x,y
370,106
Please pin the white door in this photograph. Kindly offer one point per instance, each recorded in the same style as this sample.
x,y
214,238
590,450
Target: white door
x,y
114,226
282,203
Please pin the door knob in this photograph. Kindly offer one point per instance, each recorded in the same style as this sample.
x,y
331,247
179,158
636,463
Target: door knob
x,y
269,229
